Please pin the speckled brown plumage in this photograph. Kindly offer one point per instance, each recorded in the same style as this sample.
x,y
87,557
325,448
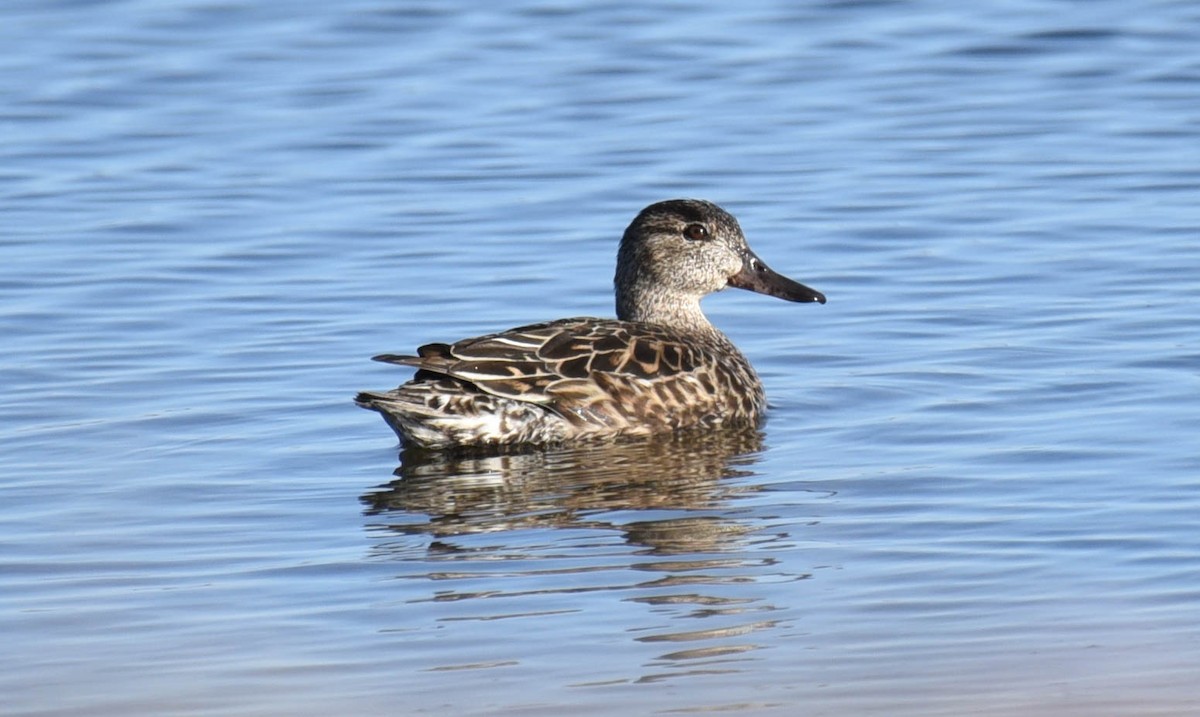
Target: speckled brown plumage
x,y
660,366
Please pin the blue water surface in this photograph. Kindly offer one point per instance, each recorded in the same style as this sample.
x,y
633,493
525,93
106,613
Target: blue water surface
x,y
978,488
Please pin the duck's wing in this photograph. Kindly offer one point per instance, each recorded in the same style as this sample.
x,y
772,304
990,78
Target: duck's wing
x,y
595,371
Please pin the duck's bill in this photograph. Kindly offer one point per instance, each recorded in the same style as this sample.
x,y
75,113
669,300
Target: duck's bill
x,y
757,276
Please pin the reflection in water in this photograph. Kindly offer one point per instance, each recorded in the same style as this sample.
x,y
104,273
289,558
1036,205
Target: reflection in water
x,y
684,549
567,487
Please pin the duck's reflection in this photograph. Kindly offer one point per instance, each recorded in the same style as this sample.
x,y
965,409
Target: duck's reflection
x,y
574,486
688,546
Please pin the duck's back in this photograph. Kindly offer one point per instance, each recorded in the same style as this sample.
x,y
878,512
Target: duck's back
x,y
569,379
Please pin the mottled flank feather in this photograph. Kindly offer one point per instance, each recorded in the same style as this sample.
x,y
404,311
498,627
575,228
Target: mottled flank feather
x,y
582,378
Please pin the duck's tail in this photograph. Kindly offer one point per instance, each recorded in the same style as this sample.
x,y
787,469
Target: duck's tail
x,y
444,413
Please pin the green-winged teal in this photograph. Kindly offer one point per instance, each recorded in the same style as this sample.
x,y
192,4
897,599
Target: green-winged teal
x,y
659,366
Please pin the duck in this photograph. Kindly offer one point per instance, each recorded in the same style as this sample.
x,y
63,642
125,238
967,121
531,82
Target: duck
x,y
659,367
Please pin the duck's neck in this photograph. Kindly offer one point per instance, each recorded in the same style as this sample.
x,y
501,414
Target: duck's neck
x,y
665,309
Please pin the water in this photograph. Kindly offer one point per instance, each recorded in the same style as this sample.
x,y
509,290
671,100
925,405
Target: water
x,y
978,487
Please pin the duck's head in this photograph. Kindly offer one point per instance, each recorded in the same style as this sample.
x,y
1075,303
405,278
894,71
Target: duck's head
x,y
680,250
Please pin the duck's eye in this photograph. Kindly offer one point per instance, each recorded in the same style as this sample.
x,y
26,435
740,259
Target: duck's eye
x,y
695,232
